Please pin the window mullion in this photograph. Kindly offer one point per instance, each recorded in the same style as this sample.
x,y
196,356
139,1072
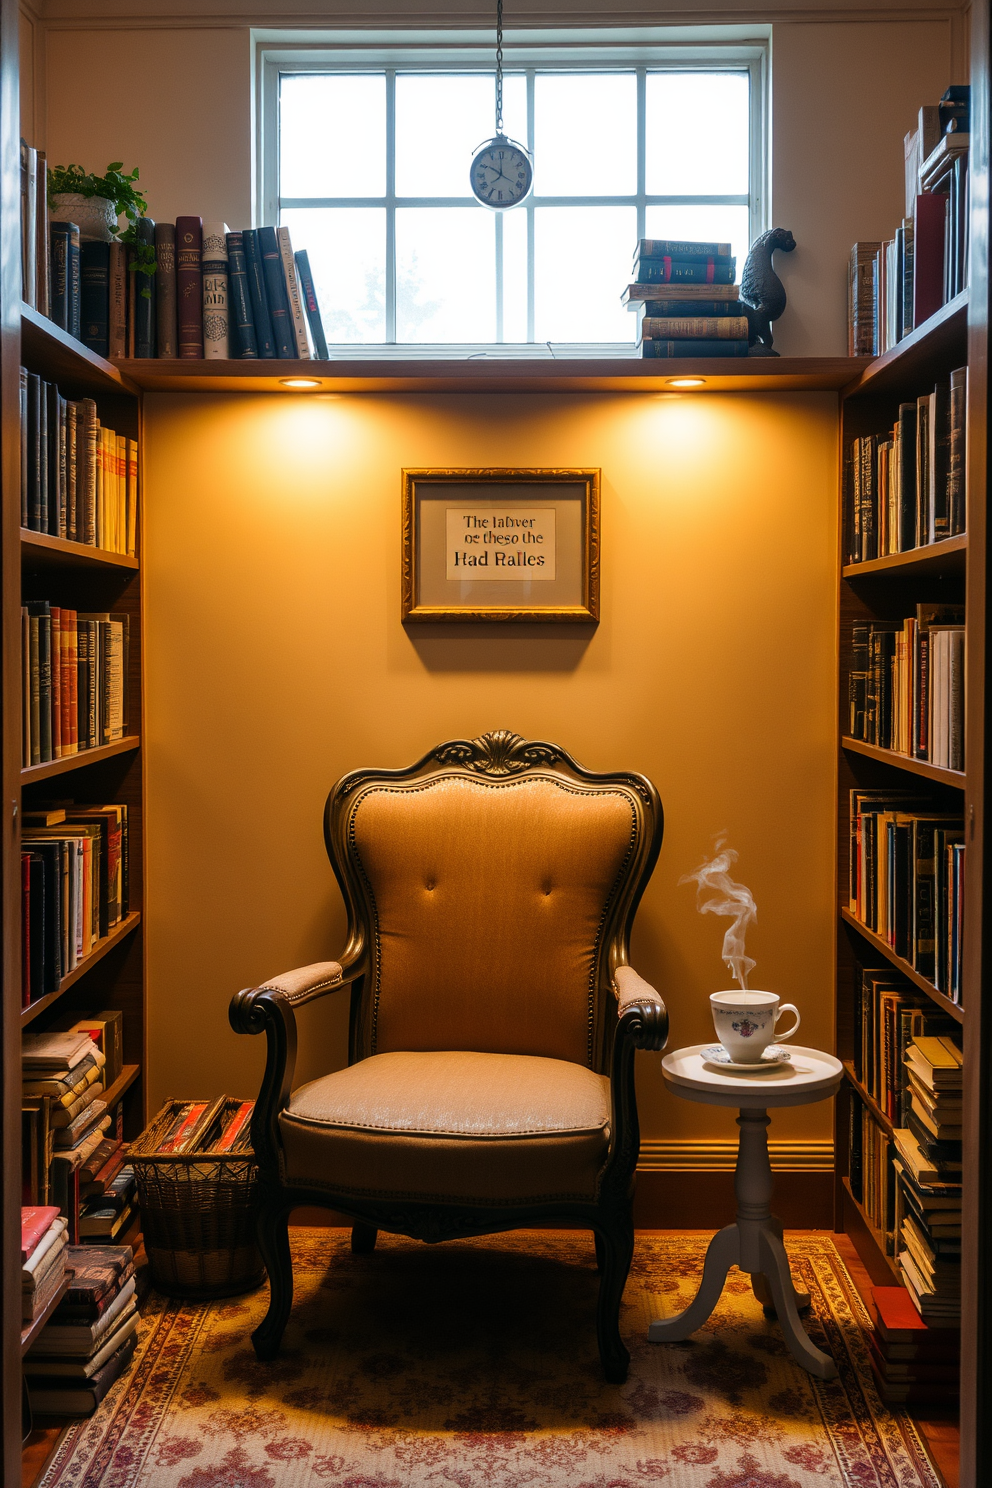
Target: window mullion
x,y
499,277
391,204
642,135
531,318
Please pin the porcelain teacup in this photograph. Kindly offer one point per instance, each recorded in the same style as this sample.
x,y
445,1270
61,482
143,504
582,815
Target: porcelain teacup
x,y
745,1023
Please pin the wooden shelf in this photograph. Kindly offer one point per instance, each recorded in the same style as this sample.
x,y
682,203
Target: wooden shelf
x,y
869,1101
40,548
31,1330
59,357
878,1239
954,778
100,949
876,941
497,375
124,1081
919,357
949,556
31,773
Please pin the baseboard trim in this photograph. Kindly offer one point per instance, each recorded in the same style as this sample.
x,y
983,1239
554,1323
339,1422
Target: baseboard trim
x,y
721,1157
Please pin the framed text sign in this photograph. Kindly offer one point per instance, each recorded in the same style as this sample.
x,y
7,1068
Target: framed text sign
x,y
501,545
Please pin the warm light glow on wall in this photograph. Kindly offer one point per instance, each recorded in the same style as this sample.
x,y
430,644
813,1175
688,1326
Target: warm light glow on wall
x,y
300,384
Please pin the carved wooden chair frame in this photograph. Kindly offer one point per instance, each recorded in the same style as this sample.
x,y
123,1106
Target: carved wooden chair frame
x,y
625,1014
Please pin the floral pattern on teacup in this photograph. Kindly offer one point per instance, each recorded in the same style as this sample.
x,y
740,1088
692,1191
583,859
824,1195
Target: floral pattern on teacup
x,y
745,1027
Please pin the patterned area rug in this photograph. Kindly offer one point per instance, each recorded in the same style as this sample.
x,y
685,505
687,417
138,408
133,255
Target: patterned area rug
x,y
474,1365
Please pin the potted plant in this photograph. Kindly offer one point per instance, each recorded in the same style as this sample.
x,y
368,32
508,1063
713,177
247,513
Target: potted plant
x,y
95,203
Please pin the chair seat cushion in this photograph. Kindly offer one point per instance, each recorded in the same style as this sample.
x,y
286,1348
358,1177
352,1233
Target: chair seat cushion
x,y
450,1126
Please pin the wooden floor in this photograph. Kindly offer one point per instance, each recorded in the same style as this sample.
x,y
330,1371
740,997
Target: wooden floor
x,y
940,1432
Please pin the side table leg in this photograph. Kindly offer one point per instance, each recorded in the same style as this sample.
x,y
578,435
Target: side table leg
x,y
775,1266
763,1291
723,1252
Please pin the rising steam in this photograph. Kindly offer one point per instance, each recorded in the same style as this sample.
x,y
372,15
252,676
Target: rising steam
x,y
716,893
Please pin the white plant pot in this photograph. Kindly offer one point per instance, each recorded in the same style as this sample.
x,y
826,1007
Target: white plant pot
x,y
93,215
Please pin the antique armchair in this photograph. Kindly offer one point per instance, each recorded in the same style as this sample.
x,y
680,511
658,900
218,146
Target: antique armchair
x,y
490,891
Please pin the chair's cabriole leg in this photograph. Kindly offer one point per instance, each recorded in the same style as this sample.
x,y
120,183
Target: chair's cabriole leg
x,y
363,1238
272,1231
615,1248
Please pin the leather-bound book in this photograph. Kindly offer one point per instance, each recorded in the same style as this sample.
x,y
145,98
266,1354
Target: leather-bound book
x,y
166,324
259,297
240,318
144,295
94,278
216,297
118,300
275,289
189,285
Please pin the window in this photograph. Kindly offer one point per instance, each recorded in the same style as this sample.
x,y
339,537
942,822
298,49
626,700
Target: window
x,y
368,167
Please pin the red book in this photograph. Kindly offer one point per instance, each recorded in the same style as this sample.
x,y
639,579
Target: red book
x,y
928,255
35,1223
897,1320
189,285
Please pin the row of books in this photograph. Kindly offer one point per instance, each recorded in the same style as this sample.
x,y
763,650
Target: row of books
x,y
905,488
686,300
889,1014
79,478
90,1339
907,881
74,889
906,685
914,1362
896,285
74,678
214,293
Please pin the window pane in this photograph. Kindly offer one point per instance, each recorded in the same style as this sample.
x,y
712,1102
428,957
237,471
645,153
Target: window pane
x,y
514,276
585,134
439,122
697,133
332,135
582,267
347,250
704,225
445,274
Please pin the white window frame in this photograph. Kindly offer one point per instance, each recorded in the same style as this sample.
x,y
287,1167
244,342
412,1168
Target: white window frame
x,y
628,50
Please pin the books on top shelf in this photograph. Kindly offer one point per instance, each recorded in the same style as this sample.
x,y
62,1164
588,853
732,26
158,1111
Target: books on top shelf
x,y
90,1339
75,683
79,479
907,881
906,685
895,286
905,489
686,299
75,889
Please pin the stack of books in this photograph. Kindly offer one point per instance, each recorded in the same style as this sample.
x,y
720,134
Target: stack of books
x,y
43,1258
79,479
914,1362
91,1336
906,685
928,1171
75,675
907,881
905,488
889,1012
686,300
63,1079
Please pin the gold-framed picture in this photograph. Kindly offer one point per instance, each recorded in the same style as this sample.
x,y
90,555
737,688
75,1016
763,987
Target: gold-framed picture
x,y
501,544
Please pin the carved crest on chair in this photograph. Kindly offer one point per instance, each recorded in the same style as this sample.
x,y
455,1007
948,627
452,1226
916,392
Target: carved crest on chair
x,y
498,753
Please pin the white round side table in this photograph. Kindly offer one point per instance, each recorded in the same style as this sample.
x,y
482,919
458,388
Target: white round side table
x,y
754,1241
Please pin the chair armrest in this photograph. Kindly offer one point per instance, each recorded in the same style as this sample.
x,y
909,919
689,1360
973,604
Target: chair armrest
x,y
269,1009
642,1023
648,1028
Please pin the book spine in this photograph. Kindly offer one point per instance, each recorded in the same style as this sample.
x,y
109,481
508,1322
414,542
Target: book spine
x,y
259,297
243,343
956,451
311,305
63,452
25,471
58,237
216,312
91,440
275,289
75,297
43,299
52,459
29,223
906,454
72,471
292,285
37,511
673,248
130,286
55,663
713,348
118,300
166,323
727,328
132,497
94,276
144,295
674,271
189,285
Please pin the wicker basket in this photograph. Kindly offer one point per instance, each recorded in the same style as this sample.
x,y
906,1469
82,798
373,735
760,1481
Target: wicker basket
x,y
197,1218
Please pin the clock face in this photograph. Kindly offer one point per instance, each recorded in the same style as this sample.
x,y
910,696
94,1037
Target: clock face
x,y
501,174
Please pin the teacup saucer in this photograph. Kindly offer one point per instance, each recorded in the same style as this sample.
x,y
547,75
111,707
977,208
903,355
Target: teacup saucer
x,y
773,1055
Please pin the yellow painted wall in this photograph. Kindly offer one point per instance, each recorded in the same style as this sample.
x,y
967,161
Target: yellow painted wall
x,y
276,660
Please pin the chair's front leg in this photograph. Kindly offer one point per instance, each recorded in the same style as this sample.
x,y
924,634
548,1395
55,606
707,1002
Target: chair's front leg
x,y
615,1248
272,1232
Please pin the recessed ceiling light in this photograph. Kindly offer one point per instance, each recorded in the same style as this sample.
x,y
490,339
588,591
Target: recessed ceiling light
x,y
686,382
299,382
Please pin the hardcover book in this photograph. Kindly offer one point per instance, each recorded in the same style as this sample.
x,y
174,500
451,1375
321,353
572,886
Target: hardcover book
x,y
166,322
189,286
216,313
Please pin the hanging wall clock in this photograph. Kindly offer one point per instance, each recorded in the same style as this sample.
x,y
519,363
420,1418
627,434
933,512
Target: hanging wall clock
x,y
502,172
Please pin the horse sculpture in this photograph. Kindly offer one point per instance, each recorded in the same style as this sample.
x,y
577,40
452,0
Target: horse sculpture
x,y
762,291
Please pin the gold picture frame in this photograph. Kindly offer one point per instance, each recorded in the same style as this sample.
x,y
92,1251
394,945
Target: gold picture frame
x,y
501,544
